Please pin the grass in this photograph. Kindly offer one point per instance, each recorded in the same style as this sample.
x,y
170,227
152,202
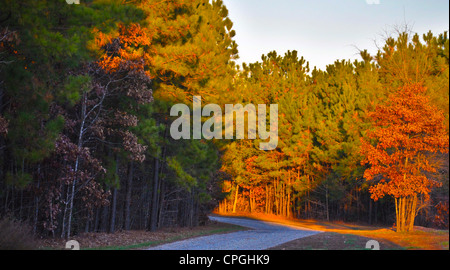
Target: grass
x,y
15,235
421,238
333,241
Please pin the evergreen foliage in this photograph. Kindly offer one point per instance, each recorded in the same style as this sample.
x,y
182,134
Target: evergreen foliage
x,y
85,95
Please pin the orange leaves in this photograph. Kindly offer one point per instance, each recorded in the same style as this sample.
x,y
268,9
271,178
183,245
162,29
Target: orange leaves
x,y
127,48
133,35
249,163
408,127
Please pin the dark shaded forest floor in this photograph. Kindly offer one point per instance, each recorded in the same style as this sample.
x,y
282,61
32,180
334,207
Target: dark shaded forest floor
x,y
138,239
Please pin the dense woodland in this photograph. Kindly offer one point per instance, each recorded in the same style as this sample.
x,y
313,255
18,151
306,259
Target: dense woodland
x,y
85,95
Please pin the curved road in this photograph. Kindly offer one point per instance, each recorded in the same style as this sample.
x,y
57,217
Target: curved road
x,y
263,235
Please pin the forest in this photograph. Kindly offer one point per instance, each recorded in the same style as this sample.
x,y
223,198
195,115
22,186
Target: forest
x,y
85,95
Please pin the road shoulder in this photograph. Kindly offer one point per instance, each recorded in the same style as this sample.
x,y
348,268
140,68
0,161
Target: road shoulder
x,y
333,241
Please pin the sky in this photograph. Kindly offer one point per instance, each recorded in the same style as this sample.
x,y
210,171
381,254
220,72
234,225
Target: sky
x,y
323,31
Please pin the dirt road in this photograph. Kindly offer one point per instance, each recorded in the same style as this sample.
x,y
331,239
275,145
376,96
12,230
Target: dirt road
x,y
262,235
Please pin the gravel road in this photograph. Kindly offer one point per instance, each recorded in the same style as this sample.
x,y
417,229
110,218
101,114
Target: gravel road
x,y
263,235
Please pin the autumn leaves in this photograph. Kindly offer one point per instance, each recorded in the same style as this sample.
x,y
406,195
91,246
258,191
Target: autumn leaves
x,y
408,130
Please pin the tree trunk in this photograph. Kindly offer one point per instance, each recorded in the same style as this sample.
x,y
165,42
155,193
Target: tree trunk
x,y
250,200
104,223
112,222
79,145
412,213
97,219
288,187
326,201
72,197
161,203
36,205
87,225
397,217
235,198
405,209
266,204
128,197
154,212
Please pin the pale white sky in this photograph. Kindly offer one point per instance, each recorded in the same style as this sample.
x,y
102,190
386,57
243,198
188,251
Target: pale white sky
x,y
323,31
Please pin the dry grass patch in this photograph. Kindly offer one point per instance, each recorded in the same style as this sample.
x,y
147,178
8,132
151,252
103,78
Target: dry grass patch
x,y
138,239
420,238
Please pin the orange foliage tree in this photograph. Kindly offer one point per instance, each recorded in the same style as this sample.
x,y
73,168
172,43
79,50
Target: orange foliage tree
x,y
408,130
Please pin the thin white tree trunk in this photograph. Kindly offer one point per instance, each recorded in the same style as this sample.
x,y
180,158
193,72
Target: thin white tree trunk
x,y
79,145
